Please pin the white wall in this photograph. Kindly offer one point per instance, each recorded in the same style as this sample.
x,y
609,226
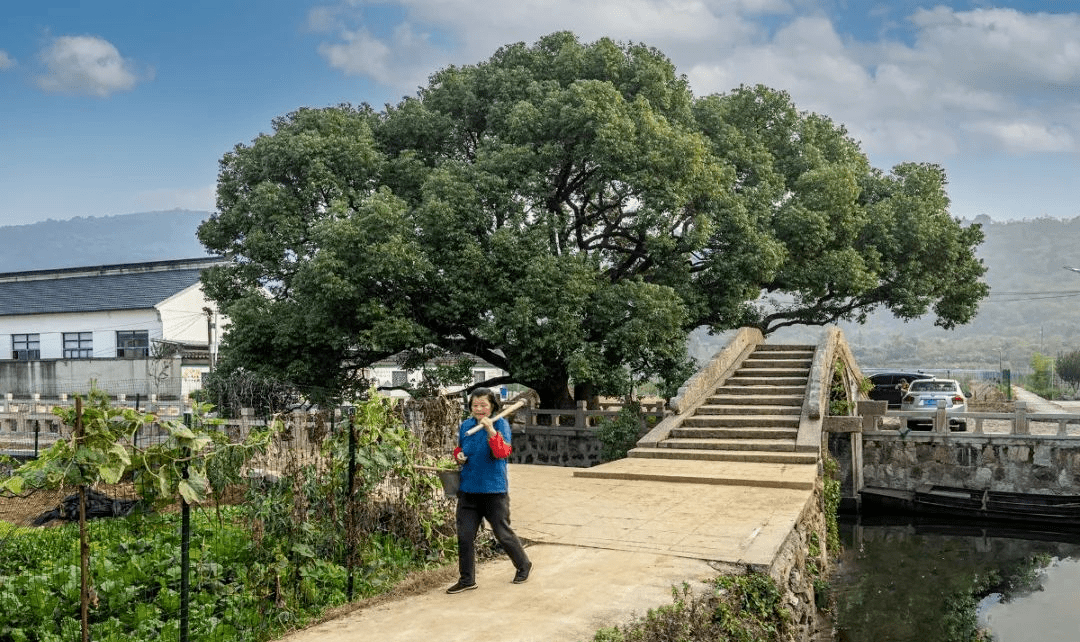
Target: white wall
x,y
384,375
51,328
183,318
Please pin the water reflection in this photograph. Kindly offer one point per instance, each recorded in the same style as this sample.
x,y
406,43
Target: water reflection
x,y
1050,614
920,581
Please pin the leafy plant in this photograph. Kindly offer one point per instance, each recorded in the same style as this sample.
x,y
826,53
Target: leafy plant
x,y
740,608
277,560
831,496
1068,368
97,454
619,434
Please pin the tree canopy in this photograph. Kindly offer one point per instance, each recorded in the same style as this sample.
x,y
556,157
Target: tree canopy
x,y
568,212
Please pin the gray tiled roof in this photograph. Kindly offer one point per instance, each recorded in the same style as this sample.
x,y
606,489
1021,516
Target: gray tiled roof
x,y
111,289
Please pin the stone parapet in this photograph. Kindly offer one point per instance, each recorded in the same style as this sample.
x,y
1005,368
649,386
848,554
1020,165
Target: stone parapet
x,y
1016,463
553,446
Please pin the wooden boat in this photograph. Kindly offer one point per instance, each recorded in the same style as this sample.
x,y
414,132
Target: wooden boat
x,y
966,503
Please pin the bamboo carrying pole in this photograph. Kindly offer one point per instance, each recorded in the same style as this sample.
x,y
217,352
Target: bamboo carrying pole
x,y
502,413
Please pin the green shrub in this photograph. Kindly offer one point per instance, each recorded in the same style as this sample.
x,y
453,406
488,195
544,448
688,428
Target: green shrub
x,y
620,433
742,608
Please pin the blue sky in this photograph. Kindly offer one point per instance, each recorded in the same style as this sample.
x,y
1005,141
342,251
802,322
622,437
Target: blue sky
x,y
120,106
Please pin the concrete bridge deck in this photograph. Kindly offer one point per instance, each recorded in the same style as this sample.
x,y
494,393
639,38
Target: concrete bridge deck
x,y
603,550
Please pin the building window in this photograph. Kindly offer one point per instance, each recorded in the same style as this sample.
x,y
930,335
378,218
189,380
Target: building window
x,y
133,344
479,376
78,345
25,347
399,378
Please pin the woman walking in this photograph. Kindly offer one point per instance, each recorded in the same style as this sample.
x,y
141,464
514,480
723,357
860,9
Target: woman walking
x,y
484,489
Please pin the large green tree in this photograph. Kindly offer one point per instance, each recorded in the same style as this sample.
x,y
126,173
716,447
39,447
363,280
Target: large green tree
x,y
566,211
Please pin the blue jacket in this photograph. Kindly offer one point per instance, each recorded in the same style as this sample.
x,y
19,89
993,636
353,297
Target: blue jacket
x,y
482,472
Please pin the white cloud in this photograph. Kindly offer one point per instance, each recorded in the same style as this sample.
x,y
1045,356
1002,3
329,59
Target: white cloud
x,y
436,34
970,81
979,80
1000,47
6,61
86,65
1024,137
399,62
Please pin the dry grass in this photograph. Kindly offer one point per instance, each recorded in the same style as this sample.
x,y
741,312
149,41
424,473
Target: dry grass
x,y
22,510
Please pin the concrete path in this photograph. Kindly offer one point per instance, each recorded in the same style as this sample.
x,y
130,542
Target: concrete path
x,y
603,550
1037,404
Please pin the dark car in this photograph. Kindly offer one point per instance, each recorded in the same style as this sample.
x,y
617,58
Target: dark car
x,y
890,386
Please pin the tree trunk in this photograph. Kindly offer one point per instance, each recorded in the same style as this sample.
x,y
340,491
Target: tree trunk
x,y
554,393
587,392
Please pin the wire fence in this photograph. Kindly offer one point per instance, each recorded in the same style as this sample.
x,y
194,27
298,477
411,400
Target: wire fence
x,y
330,509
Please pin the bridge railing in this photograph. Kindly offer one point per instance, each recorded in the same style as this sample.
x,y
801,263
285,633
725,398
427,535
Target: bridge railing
x,y
581,416
1020,422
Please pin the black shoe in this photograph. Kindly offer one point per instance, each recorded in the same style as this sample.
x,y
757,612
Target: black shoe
x,y
522,575
461,587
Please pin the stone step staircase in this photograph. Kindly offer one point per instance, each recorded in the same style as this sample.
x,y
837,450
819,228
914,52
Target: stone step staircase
x,y
743,433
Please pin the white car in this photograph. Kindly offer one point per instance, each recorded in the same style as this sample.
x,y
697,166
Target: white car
x,y
924,395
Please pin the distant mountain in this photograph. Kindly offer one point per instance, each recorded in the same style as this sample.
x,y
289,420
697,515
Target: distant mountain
x,y
106,240
1034,306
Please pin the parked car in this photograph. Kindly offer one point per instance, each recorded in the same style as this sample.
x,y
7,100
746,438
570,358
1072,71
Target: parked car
x,y
890,386
924,394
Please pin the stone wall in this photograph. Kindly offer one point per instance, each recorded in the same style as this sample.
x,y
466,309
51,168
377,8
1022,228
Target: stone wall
x,y
840,449
549,446
801,560
1016,463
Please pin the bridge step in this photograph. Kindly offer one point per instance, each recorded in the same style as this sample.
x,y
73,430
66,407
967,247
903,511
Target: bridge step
x,y
771,373
729,473
745,432
733,409
771,445
785,347
764,456
742,421
754,400
775,364
763,385
752,418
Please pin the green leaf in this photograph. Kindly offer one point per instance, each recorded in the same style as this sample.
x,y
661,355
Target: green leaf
x,y
13,485
111,473
189,494
181,431
121,453
304,550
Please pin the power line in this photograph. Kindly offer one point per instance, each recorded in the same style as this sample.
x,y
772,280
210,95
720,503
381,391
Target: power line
x,y
1013,297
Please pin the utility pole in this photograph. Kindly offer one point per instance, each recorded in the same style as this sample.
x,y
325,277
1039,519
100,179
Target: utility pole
x,y
209,337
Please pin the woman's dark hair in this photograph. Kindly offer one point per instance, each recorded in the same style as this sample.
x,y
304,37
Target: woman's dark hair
x,y
493,398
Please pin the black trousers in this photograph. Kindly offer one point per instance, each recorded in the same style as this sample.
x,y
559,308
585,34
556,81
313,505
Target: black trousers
x,y
471,508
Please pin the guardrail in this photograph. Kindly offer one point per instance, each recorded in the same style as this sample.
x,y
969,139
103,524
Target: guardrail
x,y
1019,422
580,416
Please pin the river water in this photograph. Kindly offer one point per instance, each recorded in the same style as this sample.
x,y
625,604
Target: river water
x,y
922,581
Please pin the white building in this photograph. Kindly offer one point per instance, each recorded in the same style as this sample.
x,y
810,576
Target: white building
x,y
389,374
130,329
